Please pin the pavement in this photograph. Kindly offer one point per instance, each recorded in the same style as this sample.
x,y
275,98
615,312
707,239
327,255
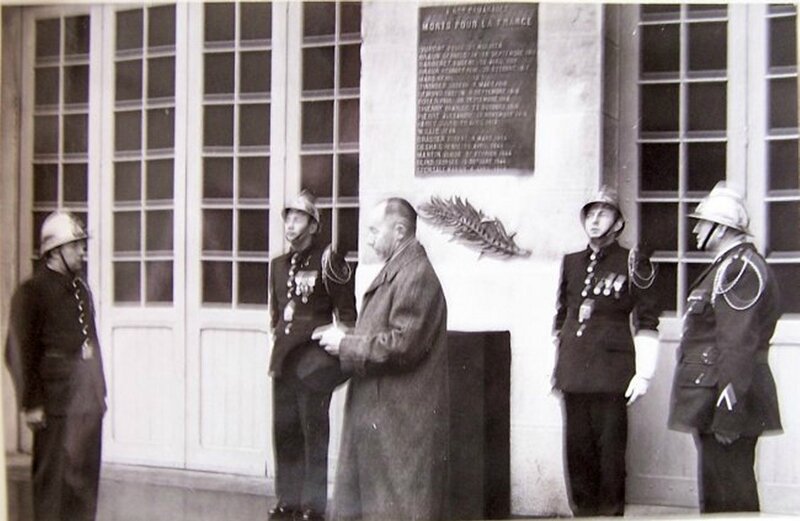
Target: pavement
x,y
133,493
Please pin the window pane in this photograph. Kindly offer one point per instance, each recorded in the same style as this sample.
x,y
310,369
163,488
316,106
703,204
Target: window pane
x,y
253,231
129,30
253,282
217,178
76,184
127,232
127,181
783,167
159,180
350,68
218,125
126,282
316,175
665,286
707,106
45,130
217,225
38,220
158,277
161,26
319,18
217,282
256,20
128,130
76,84
348,121
787,276
693,272
318,64
159,230
255,72
350,17
783,103
76,35
783,42
348,175
706,163
658,226
324,226
660,48
317,122
46,86
659,167
708,46
219,72
254,178
48,38
348,230
45,183
160,128
699,10
659,108
254,124
76,133
784,221
161,77
129,80
219,21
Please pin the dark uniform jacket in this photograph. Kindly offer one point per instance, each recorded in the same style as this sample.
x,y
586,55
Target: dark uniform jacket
x,y
597,356
731,314
43,348
318,308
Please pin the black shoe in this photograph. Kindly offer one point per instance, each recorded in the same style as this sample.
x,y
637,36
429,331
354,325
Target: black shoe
x,y
312,515
283,513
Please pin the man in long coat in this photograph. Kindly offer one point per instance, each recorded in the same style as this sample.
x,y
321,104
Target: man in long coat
x,y
392,463
723,391
53,355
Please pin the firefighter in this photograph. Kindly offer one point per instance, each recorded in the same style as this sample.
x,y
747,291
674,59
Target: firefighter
x,y
601,367
723,391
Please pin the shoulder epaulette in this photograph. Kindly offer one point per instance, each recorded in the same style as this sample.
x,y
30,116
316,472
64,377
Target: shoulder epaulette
x,y
729,281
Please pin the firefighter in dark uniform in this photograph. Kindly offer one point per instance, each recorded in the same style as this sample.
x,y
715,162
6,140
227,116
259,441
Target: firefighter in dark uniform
x,y
53,355
723,391
310,287
601,368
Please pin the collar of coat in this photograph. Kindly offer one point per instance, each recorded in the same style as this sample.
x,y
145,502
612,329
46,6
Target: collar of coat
x,y
409,253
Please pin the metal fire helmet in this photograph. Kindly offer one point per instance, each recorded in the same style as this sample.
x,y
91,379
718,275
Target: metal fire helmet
x,y
605,195
723,206
306,203
58,229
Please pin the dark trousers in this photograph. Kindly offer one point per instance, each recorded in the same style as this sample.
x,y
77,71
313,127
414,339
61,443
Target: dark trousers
x,y
301,430
596,434
66,468
727,479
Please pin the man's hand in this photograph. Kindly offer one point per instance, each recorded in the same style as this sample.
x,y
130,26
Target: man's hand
x,y
329,337
636,388
35,418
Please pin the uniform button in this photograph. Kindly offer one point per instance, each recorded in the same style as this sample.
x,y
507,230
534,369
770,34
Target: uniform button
x,y
699,378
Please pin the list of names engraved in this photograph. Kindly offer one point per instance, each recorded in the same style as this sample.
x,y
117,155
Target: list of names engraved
x,y
476,88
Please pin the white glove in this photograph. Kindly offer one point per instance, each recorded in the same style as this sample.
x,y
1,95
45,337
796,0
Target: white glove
x,y
35,418
646,345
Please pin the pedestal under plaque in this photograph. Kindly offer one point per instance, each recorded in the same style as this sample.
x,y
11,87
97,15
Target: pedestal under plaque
x,y
476,89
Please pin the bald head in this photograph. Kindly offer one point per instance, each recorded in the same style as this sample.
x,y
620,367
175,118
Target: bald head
x,y
391,223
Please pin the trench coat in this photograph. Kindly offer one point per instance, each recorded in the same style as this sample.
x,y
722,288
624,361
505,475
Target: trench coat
x,y
393,458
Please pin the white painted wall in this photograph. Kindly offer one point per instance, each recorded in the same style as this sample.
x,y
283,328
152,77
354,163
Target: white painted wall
x,y
514,295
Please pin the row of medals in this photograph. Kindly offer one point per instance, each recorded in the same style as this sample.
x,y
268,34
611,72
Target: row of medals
x,y
293,289
613,282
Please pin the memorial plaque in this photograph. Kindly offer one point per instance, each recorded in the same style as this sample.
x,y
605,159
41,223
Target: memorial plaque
x,y
476,89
